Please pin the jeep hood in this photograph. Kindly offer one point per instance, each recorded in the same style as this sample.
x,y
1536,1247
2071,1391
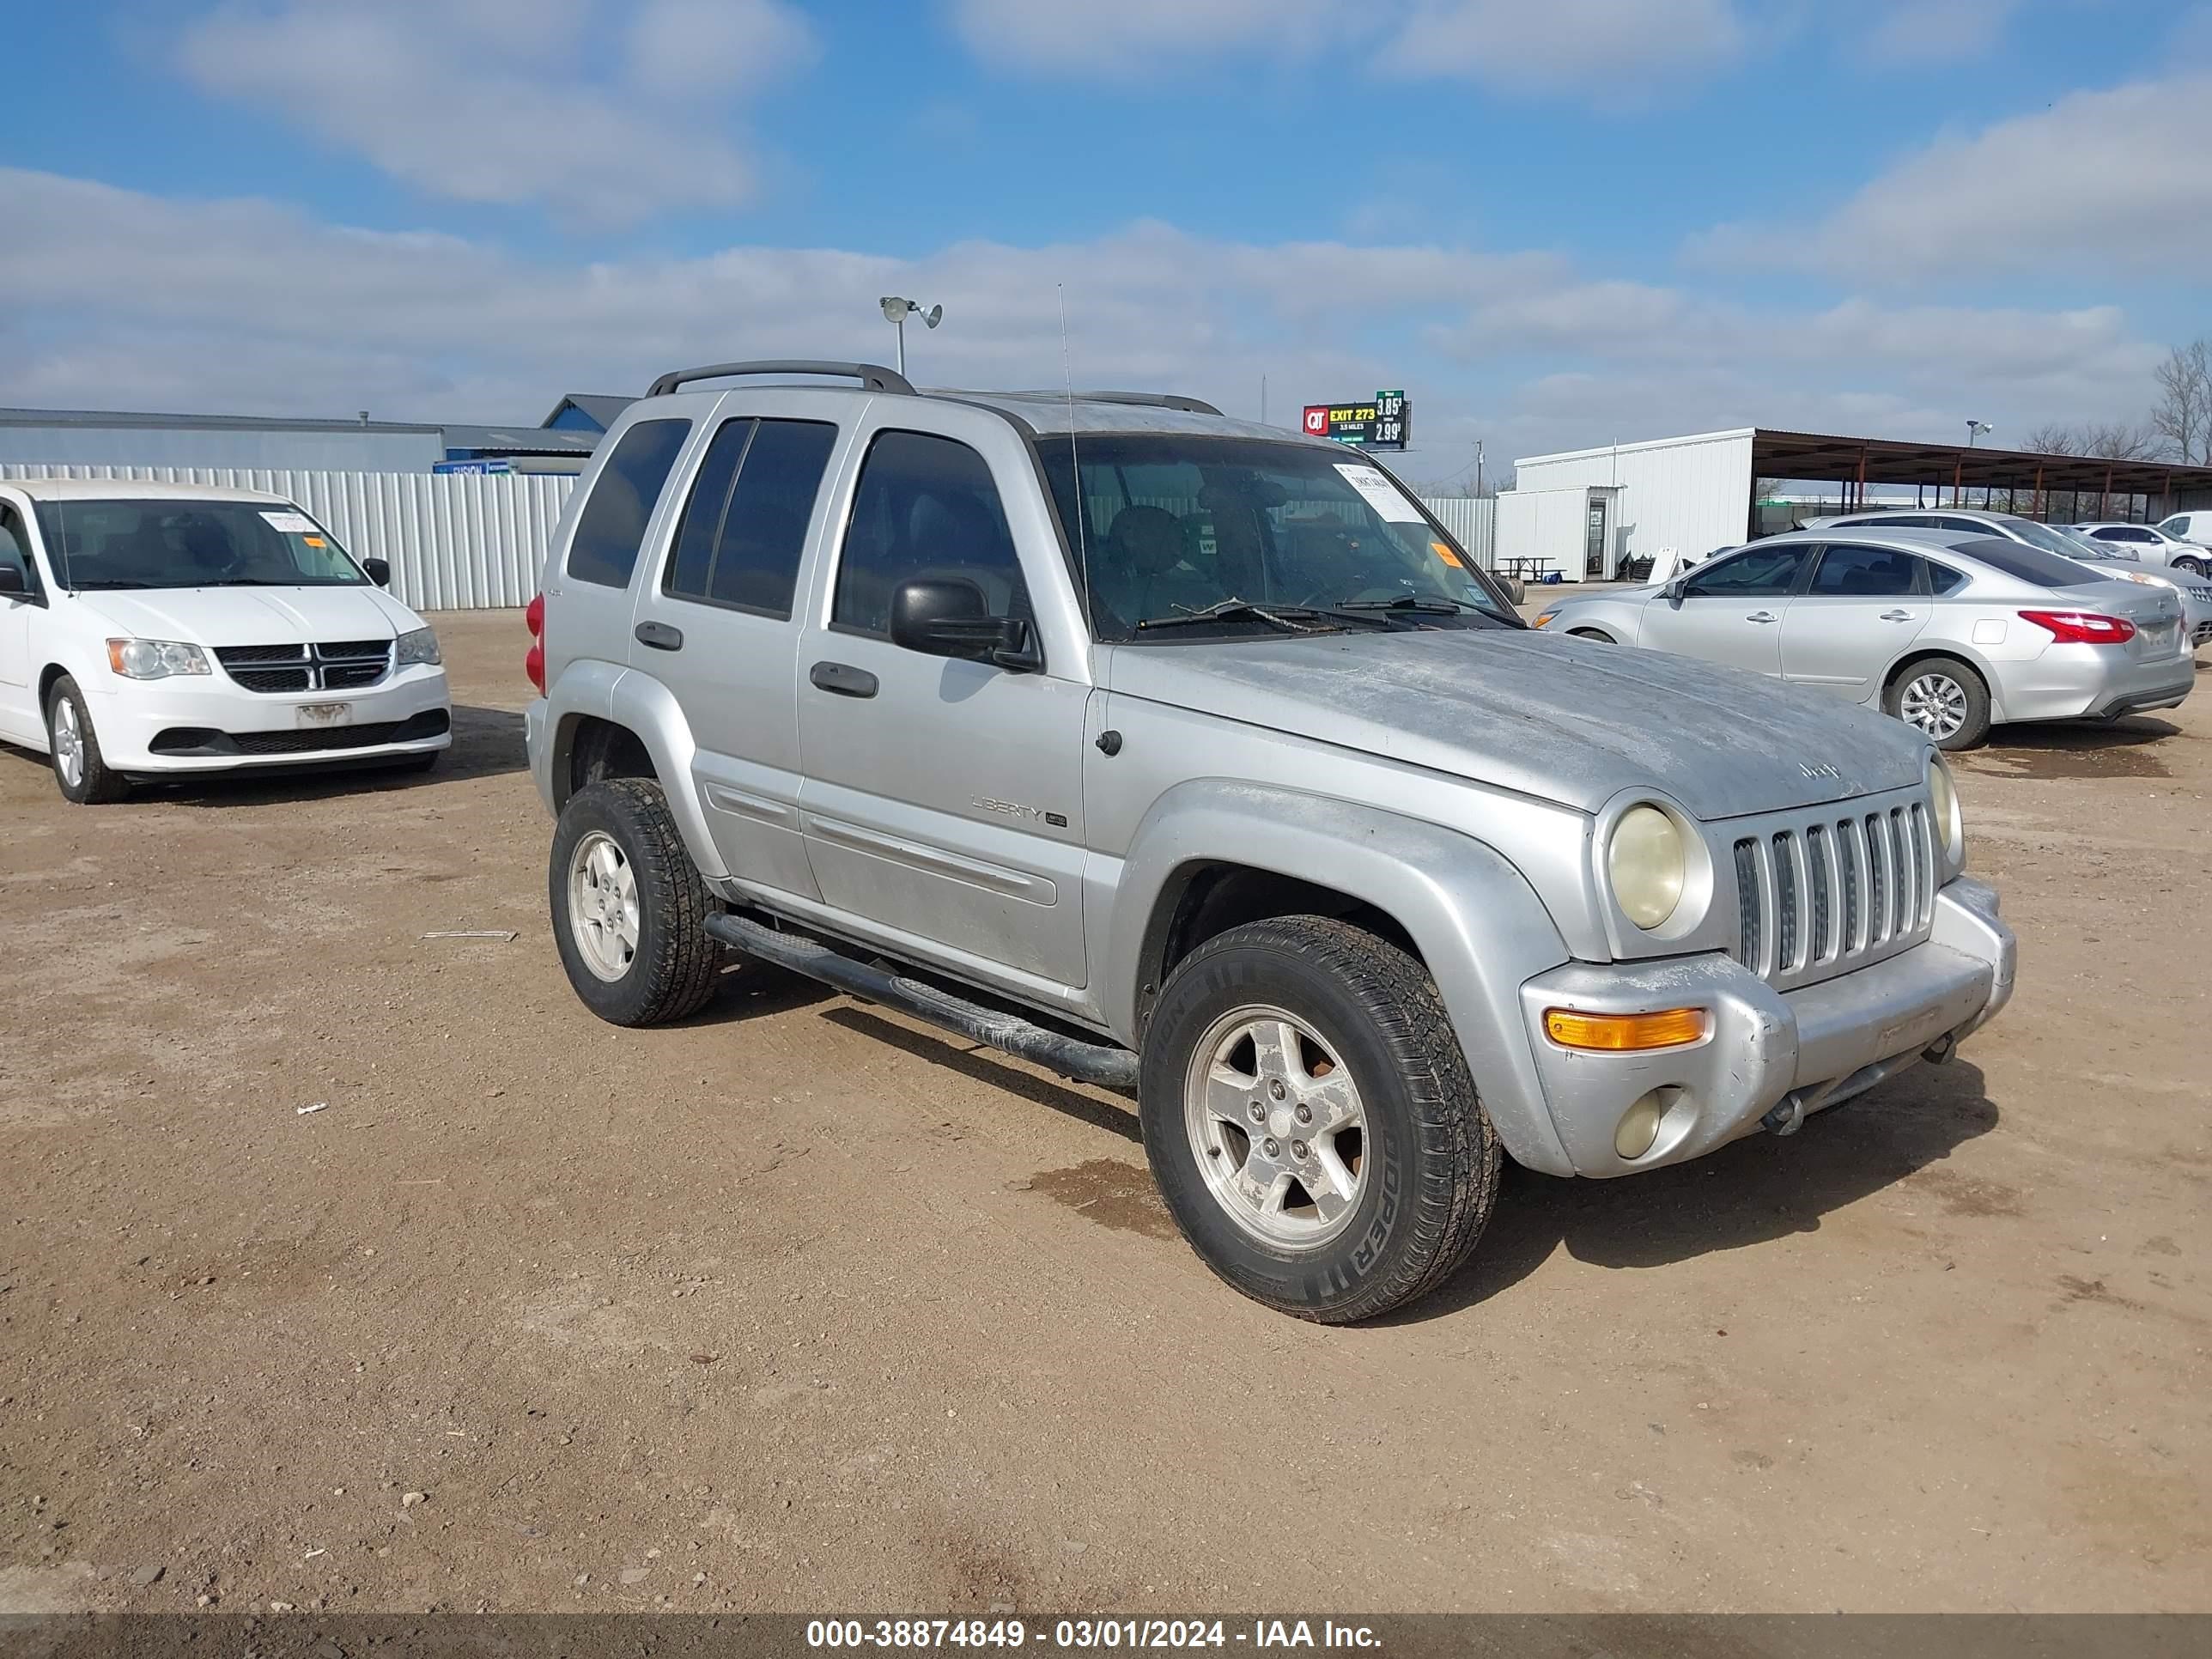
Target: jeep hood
x,y
216,616
1573,721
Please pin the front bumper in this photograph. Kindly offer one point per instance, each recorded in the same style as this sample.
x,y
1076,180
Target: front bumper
x,y
1797,1051
196,723
2069,682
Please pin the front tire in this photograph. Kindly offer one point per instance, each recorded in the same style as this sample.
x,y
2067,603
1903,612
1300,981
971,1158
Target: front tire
x,y
1601,637
1366,1176
2194,566
1944,700
80,771
629,910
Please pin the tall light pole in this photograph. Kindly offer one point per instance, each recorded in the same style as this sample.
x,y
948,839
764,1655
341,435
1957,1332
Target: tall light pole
x,y
897,311
1977,429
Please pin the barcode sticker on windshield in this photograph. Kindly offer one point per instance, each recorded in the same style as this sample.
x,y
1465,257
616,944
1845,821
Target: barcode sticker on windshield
x,y
290,523
1388,501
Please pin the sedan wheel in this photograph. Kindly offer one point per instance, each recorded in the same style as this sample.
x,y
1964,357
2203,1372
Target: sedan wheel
x,y
1936,703
1943,699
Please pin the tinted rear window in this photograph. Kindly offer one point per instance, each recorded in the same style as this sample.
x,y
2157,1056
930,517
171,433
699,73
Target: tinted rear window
x,y
2029,564
611,526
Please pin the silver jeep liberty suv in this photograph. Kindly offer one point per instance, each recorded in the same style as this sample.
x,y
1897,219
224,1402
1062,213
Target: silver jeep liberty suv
x,y
1183,755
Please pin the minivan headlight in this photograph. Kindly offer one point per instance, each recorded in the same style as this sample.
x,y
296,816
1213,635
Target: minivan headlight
x,y
1943,800
155,659
416,644
1648,865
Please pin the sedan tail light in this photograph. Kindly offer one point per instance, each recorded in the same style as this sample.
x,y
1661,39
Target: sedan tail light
x,y
2081,627
533,662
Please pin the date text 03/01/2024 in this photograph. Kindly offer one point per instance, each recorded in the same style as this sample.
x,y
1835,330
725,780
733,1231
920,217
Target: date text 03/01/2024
x,y
1262,1634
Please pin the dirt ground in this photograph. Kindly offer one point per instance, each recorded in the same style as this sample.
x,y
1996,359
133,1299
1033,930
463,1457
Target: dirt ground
x,y
801,1306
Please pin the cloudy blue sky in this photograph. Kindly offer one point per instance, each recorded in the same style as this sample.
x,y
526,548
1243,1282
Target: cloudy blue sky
x,y
1555,223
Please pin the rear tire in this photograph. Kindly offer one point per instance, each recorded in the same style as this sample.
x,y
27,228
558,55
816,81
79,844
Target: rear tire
x,y
1340,1043
1944,700
629,911
80,771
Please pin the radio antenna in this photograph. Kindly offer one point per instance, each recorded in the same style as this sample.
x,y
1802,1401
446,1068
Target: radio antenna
x,y
1075,467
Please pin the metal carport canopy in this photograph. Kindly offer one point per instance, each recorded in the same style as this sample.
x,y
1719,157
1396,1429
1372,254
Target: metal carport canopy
x,y
1889,461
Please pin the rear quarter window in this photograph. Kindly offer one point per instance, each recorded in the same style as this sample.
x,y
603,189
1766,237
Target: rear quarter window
x,y
612,527
2029,564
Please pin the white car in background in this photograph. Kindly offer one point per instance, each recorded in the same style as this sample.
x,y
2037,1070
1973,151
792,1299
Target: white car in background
x,y
149,630
2152,544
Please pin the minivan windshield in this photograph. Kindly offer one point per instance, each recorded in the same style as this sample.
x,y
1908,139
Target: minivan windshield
x,y
1185,537
136,542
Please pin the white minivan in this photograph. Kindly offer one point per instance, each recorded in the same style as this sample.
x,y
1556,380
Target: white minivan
x,y
157,628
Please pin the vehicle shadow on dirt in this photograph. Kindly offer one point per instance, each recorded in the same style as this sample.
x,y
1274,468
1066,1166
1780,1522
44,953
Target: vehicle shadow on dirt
x,y
1751,1193
487,743
984,1065
2129,747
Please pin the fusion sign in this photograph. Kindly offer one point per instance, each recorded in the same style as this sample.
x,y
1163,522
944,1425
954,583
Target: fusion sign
x,y
1387,422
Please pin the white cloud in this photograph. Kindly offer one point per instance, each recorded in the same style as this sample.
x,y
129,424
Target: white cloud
x,y
1552,45
1124,38
119,299
512,101
1922,29
2103,181
1565,44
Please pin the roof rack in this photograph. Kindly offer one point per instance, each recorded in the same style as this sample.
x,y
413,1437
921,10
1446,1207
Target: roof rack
x,y
1139,399
873,377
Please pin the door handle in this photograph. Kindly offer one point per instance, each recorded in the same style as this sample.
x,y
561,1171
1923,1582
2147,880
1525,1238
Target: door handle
x,y
1897,615
660,636
1762,617
842,679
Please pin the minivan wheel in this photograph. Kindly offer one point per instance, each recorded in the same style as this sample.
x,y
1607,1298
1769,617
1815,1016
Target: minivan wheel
x,y
629,910
1310,1121
1944,700
73,748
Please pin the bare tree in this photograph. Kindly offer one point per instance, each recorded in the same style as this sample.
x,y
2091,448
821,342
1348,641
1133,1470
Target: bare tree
x,y
2052,439
2182,417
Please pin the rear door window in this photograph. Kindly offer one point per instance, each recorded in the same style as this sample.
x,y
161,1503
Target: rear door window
x,y
612,527
746,525
1864,573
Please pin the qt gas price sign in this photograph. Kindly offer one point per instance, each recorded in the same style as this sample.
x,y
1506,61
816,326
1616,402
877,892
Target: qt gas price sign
x,y
1385,423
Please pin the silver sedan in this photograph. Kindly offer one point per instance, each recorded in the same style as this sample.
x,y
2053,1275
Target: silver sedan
x,y
1948,631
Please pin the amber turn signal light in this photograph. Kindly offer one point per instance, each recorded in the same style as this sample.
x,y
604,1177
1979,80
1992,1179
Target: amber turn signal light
x,y
1614,1034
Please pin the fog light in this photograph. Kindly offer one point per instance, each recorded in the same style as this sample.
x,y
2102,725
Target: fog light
x,y
1639,1126
1615,1034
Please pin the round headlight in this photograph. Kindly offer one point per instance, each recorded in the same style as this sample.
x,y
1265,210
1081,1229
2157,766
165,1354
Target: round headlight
x,y
1647,864
1943,798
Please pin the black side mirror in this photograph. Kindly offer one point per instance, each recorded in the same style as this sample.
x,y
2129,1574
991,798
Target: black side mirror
x,y
12,584
378,571
941,618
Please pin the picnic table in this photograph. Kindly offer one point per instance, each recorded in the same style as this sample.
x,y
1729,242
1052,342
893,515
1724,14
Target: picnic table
x,y
1529,569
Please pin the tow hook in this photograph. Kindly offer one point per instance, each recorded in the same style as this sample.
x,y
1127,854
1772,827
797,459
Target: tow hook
x,y
1940,1050
1787,1116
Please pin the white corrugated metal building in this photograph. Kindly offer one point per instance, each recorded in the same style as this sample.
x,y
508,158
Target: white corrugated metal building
x,y
1587,512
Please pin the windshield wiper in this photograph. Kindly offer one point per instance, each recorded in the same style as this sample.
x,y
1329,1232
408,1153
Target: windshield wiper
x,y
105,583
1287,618
1430,604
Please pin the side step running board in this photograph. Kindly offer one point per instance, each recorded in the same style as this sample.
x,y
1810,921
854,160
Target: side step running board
x,y
1089,1063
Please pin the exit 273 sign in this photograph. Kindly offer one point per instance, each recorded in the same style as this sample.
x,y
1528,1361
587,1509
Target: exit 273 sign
x,y
1386,423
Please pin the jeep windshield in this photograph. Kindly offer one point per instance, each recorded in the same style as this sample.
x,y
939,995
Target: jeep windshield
x,y
135,543
1185,537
